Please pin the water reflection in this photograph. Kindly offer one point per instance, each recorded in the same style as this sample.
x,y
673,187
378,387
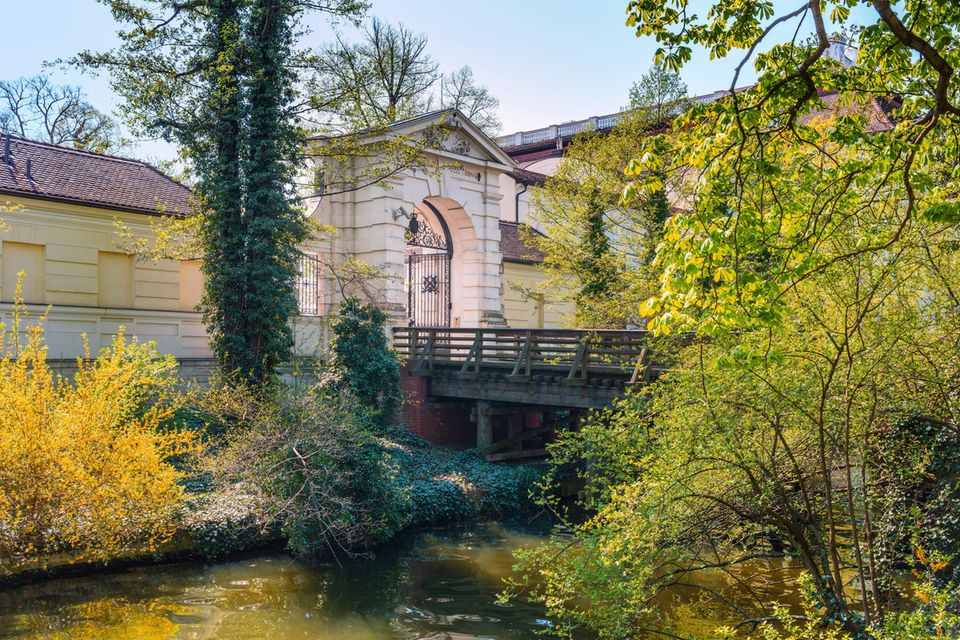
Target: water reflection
x,y
432,586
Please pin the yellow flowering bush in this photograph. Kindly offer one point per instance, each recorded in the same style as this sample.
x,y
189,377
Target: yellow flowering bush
x,y
85,463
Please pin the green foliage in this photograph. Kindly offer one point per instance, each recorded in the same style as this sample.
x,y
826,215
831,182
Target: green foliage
x,y
772,178
311,466
919,505
815,249
599,247
450,486
934,616
660,95
363,361
228,520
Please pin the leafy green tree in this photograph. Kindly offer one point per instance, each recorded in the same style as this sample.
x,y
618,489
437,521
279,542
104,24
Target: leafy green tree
x,y
815,254
594,239
660,94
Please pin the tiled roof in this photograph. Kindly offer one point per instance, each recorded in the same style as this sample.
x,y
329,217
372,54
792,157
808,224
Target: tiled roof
x,y
525,176
877,111
68,175
512,246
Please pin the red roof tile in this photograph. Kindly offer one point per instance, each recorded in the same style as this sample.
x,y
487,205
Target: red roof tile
x,y
68,175
525,176
513,247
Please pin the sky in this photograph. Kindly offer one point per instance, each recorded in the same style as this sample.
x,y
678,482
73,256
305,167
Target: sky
x,y
548,61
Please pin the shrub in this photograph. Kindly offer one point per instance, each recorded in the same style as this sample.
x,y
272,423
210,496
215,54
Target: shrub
x,y
84,463
363,361
447,486
310,461
309,464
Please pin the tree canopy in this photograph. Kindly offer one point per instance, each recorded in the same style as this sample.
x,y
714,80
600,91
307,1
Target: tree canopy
x,y
896,104
35,108
598,247
809,269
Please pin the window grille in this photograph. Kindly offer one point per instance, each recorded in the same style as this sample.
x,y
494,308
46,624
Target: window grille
x,y
309,273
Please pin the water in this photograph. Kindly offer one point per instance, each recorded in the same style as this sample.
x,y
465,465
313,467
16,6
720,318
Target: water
x,y
432,585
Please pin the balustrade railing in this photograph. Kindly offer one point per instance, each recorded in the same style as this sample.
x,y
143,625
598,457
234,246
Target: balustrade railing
x,y
598,123
573,356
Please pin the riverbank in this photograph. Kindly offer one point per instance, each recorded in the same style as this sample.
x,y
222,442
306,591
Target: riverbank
x,y
439,487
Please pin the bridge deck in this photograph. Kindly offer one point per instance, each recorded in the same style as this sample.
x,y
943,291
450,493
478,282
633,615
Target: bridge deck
x,y
553,367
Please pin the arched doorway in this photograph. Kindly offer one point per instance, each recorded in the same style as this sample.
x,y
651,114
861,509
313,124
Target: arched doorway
x,y
428,256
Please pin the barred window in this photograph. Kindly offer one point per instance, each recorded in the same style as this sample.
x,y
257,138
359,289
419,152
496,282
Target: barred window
x,y
308,285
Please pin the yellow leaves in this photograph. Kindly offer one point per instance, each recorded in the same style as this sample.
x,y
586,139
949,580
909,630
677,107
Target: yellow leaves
x,y
84,464
650,307
724,274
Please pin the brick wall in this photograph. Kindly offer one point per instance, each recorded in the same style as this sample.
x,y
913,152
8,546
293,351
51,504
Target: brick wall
x,y
447,425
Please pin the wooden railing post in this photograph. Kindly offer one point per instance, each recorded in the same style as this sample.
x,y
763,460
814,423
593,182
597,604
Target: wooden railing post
x,y
529,350
523,359
579,369
474,356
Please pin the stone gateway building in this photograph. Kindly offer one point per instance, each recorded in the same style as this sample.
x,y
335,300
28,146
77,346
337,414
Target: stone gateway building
x,y
449,242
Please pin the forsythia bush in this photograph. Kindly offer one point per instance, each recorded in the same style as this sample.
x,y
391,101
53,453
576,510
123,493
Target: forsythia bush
x,y
84,464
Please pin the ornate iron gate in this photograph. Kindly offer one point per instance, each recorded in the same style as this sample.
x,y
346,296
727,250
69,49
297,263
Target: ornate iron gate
x,y
428,276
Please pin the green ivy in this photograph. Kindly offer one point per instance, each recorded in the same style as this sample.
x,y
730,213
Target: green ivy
x,y
363,360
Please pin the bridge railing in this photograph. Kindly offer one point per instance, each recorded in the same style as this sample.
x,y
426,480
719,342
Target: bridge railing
x,y
575,356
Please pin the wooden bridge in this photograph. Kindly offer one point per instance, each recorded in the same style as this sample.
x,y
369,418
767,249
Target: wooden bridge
x,y
504,374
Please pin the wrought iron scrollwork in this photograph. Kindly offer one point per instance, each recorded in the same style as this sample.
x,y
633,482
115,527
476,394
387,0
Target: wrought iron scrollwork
x,y
308,285
424,236
430,284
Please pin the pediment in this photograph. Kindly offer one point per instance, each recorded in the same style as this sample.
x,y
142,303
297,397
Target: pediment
x,y
454,133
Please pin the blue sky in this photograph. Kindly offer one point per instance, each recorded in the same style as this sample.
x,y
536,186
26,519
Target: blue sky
x,y
547,60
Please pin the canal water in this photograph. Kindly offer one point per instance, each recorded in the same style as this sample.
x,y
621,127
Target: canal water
x,y
439,585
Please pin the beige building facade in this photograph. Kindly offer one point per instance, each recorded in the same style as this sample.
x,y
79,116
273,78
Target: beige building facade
x,y
447,242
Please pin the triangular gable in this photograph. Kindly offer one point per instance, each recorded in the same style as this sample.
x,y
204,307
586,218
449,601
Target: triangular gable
x,y
469,142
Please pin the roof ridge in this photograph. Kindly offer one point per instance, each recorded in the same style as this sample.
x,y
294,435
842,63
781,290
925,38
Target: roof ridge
x,y
83,152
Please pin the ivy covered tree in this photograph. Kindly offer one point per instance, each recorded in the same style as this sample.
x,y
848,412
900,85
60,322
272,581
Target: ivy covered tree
x,y
218,78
